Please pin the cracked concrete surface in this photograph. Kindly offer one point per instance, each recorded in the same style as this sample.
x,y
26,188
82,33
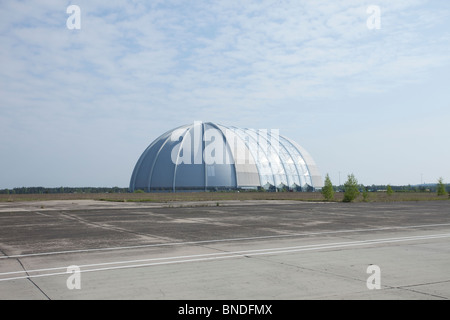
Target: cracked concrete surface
x,y
251,250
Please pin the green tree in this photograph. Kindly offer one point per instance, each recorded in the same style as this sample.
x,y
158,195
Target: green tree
x,y
441,188
365,194
389,190
350,188
327,190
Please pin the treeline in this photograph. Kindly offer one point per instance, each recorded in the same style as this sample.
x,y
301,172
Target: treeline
x,y
408,188
352,189
43,190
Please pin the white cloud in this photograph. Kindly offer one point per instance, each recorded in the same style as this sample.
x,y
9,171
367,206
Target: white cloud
x,y
147,67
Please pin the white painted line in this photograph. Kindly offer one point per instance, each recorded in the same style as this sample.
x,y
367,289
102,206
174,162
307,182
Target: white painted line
x,y
221,240
222,255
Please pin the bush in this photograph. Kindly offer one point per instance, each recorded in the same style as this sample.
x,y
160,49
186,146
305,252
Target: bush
x,y
365,194
441,188
327,190
389,190
350,189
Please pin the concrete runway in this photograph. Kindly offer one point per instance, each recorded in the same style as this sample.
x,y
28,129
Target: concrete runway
x,y
234,250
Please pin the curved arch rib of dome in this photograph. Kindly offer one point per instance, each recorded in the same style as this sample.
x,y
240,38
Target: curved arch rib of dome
x,y
137,168
262,163
299,163
204,155
292,173
189,173
314,173
260,157
145,163
222,163
247,174
140,177
280,176
161,173
177,149
295,161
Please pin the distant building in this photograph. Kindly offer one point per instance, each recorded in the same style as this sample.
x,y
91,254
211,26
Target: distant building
x,y
205,156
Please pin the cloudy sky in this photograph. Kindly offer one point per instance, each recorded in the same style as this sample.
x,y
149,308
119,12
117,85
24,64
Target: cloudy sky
x,y
79,106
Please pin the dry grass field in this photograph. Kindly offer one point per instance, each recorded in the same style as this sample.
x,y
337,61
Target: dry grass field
x,y
219,196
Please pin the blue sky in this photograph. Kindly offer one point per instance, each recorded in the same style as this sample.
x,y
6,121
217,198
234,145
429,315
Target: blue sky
x,y
78,107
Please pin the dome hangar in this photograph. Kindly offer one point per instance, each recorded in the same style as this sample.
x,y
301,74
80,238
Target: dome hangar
x,y
205,156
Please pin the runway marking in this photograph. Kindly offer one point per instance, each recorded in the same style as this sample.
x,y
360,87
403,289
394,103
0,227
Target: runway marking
x,y
219,240
219,255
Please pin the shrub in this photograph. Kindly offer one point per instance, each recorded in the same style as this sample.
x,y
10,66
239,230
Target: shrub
x,y
365,194
350,189
389,190
327,190
441,188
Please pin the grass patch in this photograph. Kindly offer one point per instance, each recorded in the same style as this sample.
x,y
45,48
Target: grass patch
x,y
222,196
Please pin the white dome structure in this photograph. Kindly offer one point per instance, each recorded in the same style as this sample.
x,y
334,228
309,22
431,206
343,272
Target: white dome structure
x,y
205,156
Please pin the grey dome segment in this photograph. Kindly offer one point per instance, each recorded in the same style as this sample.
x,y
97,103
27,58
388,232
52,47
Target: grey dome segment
x,y
207,156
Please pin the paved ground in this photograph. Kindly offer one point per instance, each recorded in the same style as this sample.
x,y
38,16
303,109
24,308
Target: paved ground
x,y
233,250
